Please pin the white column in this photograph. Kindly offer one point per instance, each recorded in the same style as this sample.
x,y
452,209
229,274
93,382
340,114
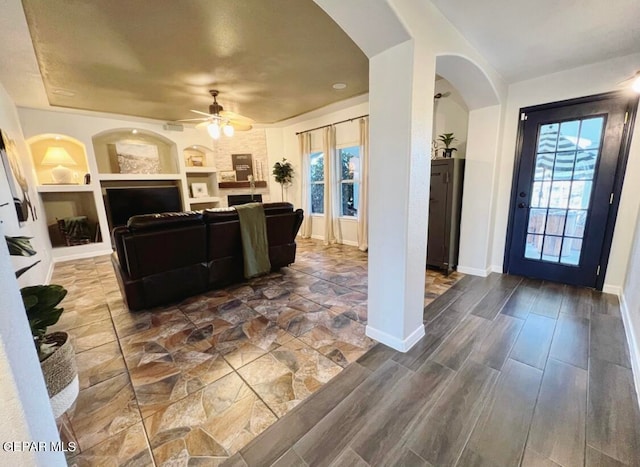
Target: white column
x,y
401,105
478,192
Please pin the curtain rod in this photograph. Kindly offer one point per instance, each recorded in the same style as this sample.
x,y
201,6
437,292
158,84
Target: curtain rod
x,y
331,124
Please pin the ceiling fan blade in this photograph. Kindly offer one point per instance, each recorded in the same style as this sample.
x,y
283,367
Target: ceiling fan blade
x,y
201,113
240,126
203,124
192,119
236,117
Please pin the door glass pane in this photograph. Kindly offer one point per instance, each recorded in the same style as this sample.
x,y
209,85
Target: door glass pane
x,y
568,139
555,221
559,197
537,218
533,249
548,138
544,166
576,220
591,133
540,194
585,165
580,194
551,248
563,167
571,248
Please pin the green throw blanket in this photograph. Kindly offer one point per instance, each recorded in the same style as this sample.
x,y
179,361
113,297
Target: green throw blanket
x,y
255,246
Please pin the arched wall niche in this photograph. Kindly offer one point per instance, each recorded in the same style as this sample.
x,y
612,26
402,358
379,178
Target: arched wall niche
x,y
107,143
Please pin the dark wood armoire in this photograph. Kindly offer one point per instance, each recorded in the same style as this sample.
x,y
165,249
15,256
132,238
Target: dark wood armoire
x,y
445,204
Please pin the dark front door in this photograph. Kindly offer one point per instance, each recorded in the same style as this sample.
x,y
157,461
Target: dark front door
x,y
563,201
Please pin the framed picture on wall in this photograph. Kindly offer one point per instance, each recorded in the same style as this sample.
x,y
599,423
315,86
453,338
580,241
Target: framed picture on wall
x,y
199,190
243,166
16,178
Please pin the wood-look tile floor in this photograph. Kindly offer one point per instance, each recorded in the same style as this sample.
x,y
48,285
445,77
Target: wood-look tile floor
x,y
194,382
511,372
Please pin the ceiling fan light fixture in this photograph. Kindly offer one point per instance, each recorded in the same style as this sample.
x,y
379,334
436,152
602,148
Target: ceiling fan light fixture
x,y
214,130
228,130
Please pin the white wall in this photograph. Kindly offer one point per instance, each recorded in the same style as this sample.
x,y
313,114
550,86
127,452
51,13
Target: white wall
x,y
630,305
578,82
451,115
10,124
25,405
283,142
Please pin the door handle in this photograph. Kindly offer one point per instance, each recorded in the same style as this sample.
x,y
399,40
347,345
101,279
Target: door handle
x,y
522,205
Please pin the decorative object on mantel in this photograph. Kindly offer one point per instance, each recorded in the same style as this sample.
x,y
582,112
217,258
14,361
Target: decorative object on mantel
x,y
243,166
219,121
227,176
16,179
283,173
59,157
447,139
199,190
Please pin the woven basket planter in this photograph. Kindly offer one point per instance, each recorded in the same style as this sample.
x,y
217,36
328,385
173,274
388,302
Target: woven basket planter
x,y
60,373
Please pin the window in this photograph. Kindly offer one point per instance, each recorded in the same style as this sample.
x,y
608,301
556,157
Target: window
x,y
349,180
317,182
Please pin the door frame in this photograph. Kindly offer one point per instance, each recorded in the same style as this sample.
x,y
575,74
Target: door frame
x,y
623,156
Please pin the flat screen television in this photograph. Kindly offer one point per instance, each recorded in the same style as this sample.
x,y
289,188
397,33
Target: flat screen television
x,y
122,203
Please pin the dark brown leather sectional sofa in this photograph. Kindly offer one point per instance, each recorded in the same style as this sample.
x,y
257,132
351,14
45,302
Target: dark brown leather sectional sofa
x,y
162,258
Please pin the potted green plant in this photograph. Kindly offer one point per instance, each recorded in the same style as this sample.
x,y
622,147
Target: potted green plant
x,y
283,173
55,352
447,139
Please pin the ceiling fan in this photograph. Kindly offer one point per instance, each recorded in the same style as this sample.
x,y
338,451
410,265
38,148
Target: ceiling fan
x,y
219,121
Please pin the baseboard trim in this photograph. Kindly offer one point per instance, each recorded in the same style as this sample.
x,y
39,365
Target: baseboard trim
x,y
613,289
343,242
83,255
474,271
52,265
401,345
634,347
496,268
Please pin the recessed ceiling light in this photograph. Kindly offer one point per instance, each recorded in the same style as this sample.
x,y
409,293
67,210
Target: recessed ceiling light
x,y
64,92
57,138
135,132
339,86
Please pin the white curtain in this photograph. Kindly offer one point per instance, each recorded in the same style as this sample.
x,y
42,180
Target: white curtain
x,y
304,147
363,190
331,229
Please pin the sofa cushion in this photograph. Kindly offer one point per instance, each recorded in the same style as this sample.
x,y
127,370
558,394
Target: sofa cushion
x,y
164,220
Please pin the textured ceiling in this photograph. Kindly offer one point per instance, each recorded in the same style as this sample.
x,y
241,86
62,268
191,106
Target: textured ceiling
x,y
270,60
525,39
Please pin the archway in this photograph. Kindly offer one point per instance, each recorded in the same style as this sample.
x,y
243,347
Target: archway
x,y
481,152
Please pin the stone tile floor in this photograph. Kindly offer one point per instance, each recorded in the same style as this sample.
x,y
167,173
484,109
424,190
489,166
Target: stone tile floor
x,y
194,382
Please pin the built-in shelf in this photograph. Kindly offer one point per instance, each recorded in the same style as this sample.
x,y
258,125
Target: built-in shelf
x,y
200,170
259,184
208,199
64,188
127,177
